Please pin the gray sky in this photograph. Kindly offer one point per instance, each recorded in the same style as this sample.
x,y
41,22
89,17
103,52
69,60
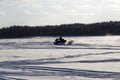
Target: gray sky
x,y
44,12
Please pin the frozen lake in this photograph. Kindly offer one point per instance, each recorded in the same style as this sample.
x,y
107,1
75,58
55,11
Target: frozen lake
x,y
88,58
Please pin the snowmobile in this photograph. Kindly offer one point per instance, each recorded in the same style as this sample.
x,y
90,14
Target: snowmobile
x,y
62,41
59,41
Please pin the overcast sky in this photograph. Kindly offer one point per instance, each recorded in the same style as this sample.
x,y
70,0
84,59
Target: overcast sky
x,y
44,12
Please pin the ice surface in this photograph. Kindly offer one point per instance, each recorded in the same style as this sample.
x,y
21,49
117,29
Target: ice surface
x,y
88,58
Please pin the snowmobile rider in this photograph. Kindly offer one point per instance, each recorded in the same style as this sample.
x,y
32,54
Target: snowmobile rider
x,y
59,41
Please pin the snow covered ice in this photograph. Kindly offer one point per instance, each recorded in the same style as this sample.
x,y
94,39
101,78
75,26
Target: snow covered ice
x,y
88,58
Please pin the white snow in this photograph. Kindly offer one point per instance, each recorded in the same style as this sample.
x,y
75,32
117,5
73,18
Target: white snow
x,y
88,58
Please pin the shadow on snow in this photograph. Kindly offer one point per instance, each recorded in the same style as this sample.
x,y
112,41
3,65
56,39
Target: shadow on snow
x,y
24,67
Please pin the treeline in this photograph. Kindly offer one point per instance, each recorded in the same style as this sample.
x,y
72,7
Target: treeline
x,y
77,29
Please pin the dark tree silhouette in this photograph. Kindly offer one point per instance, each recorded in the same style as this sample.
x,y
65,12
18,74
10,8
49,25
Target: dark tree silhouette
x,y
77,29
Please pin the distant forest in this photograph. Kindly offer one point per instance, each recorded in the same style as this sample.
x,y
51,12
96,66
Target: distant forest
x,y
76,29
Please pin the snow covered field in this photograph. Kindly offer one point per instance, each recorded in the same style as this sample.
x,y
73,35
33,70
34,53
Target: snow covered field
x,y
88,58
